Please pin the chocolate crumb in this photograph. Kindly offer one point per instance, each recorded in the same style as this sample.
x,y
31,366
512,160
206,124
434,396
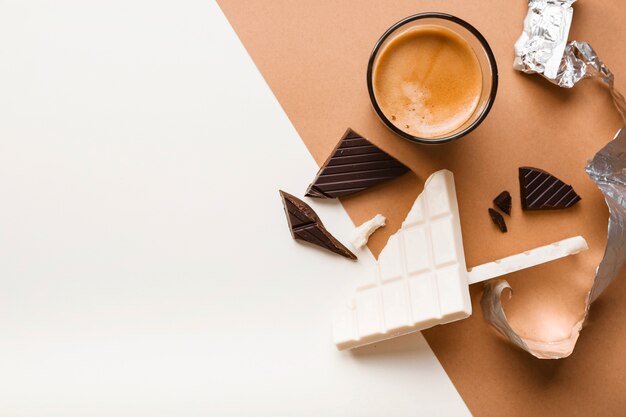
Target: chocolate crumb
x,y
503,202
498,220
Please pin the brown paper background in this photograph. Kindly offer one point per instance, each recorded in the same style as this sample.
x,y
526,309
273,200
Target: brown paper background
x,y
314,54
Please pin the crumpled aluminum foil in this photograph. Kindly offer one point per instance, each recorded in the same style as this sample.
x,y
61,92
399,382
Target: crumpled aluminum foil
x,y
580,61
542,43
542,48
608,170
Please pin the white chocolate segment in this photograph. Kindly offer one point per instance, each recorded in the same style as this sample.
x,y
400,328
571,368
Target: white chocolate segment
x,y
420,279
361,234
528,259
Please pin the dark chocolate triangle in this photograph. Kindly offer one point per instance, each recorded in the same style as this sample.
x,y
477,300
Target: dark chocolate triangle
x,y
498,220
540,190
305,225
354,165
504,202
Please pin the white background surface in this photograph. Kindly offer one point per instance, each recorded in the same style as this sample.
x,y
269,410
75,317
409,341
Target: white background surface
x,y
146,268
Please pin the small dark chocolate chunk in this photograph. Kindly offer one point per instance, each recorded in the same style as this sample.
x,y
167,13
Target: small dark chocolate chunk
x,y
540,190
354,165
503,202
498,220
306,225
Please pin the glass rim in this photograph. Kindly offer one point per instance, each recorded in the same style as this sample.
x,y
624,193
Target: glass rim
x,y
492,63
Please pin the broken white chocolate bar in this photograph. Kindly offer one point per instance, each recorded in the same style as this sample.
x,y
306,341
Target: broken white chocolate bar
x,y
420,279
361,234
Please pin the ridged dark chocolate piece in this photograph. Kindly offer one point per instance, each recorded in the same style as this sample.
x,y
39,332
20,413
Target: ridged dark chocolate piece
x,y
540,190
354,165
503,201
498,220
306,225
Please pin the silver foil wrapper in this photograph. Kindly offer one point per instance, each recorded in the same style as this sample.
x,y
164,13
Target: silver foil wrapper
x,y
580,61
543,45
608,170
542,48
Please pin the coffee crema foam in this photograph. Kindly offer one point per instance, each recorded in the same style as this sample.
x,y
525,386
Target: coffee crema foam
x,y
427,81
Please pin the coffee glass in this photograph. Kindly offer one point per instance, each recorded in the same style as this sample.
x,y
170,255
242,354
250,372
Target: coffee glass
x,y
484,56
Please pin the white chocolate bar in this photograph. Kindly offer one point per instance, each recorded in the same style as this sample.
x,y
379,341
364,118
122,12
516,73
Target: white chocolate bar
x,y
361,234
528,259
420,279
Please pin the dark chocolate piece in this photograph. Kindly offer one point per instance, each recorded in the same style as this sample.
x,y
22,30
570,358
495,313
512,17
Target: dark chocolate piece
x,y
306,225
503,202
354,165
498,220
540,190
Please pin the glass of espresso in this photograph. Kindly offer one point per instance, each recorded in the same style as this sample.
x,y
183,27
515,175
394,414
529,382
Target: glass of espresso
x,y
432,78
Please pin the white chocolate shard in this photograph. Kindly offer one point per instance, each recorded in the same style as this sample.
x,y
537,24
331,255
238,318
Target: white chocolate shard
x,y
528,259
361,234
420,279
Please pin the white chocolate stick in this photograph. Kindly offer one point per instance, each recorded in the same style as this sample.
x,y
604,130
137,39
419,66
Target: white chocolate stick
x,y
527,259
361,234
